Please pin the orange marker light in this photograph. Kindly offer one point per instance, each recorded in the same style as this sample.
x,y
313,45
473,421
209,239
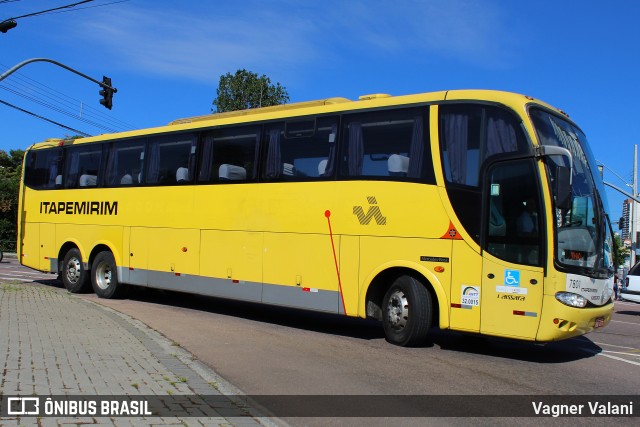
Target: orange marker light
x,y
439,269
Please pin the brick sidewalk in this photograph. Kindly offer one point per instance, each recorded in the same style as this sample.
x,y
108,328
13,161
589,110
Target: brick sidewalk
x,y
54,343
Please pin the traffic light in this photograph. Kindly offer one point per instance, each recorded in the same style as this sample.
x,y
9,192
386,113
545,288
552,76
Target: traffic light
x,y
621,223
106,92
7,25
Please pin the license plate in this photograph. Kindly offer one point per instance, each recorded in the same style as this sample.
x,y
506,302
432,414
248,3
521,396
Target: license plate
x,y
599,322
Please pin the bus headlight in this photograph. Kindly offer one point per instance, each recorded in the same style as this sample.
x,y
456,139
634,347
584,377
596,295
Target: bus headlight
x,y
571,299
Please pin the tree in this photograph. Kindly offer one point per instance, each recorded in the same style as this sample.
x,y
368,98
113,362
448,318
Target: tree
x,y
621,252
10,172
245,89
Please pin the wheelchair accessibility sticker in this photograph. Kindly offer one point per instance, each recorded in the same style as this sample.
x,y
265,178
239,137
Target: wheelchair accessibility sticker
x,y
512,278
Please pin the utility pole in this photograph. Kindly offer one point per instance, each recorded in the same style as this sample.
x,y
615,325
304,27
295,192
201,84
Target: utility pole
x,y
634,204
106,91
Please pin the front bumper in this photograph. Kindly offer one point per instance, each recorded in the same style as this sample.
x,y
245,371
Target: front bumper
x,y
559,322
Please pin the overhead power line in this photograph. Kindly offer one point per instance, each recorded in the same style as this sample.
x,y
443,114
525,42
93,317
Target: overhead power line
x,y
28,87
41,94
43,118
90,7
59,110
55,105
48,10
10,23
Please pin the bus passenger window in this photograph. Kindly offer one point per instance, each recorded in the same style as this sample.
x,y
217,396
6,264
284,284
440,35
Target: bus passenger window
x,y
229,155
82,165
470,136
166,155
124,163
301,149
388,144
43,169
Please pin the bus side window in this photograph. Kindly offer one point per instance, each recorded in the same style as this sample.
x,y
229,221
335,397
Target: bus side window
x,y
392,144
229,155
301,149
470,136
82,165
43,169
124,163
167,155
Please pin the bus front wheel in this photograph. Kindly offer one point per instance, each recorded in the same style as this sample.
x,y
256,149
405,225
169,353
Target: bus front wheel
x,y
104,276
73,272
406,312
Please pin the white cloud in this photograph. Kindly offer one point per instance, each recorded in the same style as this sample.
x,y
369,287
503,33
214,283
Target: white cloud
x,y
207,39
469,31
180,43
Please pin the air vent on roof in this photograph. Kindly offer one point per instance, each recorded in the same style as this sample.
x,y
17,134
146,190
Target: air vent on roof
x,y
373,96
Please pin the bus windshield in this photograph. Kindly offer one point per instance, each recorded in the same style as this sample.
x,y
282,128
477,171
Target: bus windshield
x,y
582,233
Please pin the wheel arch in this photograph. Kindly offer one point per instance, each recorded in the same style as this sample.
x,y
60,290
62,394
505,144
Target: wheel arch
x,y
381,280
103,247
66,247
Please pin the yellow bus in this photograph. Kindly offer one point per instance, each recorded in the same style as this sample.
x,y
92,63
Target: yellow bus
x,y
476,211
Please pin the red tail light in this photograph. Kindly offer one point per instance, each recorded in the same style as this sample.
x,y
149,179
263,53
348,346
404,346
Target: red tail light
x,y
626,282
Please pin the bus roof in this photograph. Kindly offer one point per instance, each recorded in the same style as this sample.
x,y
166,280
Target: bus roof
x,y
322,106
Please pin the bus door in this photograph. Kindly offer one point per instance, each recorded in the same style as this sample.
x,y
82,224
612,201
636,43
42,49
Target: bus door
x,y
513,250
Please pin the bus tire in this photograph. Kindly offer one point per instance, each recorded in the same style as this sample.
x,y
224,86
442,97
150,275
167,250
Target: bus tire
x,y
406,312
104,276
73,274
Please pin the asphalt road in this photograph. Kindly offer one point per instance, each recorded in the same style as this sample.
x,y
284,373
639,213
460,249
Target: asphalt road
x,y
274,351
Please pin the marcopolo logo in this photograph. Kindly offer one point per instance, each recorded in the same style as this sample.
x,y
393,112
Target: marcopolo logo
x,y
373,212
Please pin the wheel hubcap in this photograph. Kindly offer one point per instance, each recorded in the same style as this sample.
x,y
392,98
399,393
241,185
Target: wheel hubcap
x,y
398,310
103,276
74,269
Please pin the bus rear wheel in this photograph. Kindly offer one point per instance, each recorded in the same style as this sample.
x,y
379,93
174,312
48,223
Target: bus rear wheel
x,y
104,276
74,275
406,312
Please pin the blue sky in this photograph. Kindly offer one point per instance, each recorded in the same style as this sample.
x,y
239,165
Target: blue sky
x,y
166,58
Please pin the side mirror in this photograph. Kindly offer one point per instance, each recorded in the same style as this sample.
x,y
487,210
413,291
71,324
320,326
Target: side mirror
x,y
562,189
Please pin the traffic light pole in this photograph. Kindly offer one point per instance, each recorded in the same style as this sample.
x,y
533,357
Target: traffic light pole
x,y
608,184
29,61
633,214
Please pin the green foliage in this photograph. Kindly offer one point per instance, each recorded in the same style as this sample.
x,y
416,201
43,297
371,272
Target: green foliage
x,y
621,252
245,89
10,172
